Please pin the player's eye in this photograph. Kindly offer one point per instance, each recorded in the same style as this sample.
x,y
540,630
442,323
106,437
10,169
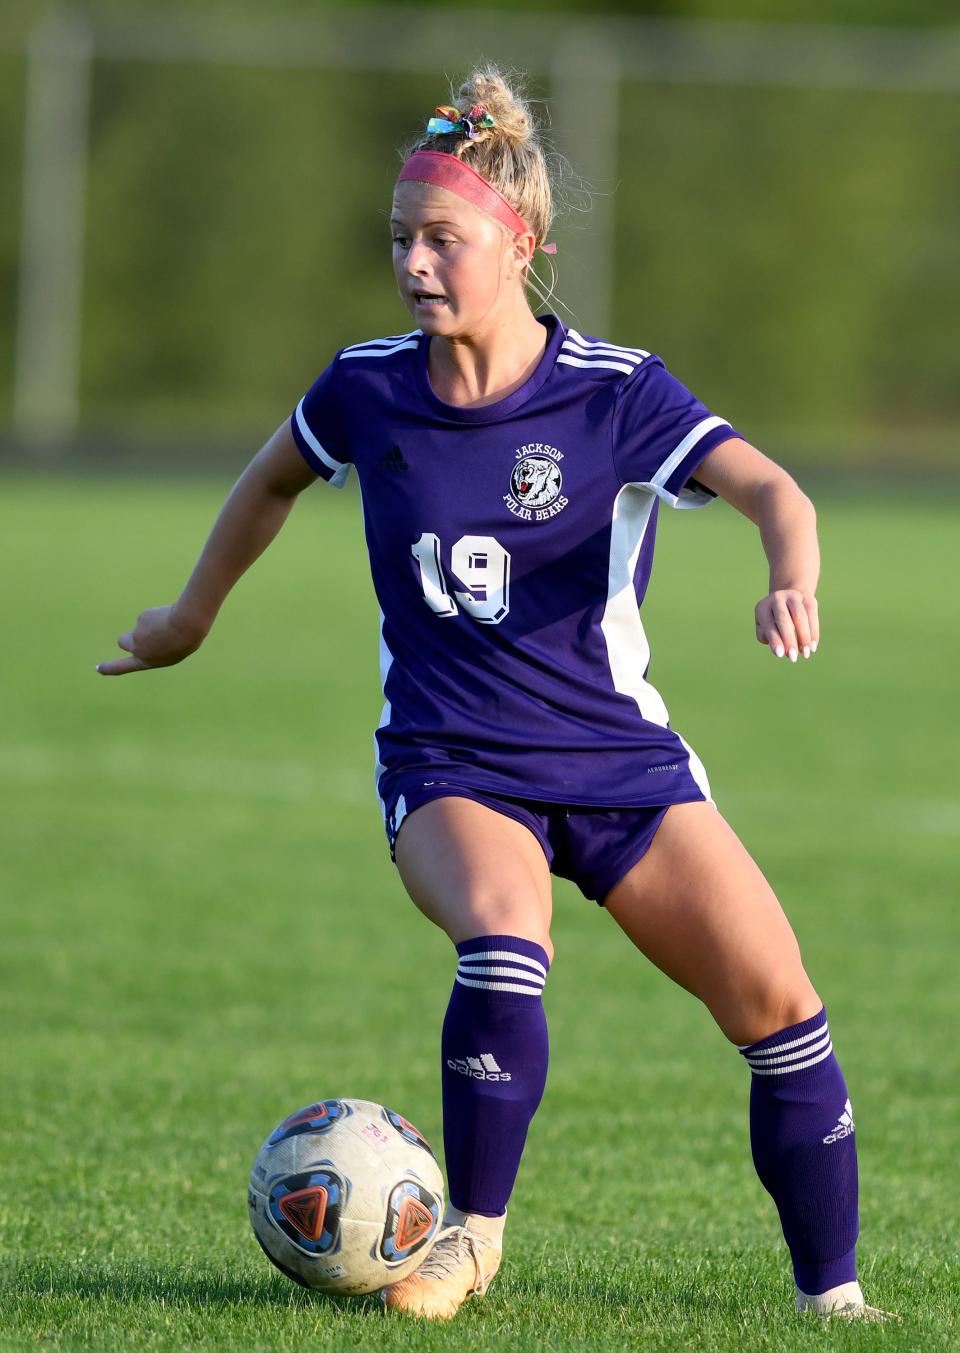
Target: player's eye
x,y
402,240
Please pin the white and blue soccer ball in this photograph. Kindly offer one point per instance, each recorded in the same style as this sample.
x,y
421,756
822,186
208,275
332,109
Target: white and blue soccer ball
x,y
345,1196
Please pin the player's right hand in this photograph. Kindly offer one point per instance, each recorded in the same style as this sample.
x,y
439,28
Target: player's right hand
x,y
788,622
159,639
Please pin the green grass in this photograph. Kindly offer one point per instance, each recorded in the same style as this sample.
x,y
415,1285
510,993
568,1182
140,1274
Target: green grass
x,y
202,931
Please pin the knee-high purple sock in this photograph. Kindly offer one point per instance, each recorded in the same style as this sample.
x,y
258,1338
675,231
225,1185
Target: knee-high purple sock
x,y
802,1135
494,1051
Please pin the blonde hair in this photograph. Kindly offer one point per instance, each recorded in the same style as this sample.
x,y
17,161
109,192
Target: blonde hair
x,y
513,155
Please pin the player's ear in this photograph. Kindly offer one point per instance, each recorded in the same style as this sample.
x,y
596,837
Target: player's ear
x,y
522,252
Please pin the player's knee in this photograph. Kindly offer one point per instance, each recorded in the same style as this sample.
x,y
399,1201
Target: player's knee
x,y
486,911
506,919
768,1005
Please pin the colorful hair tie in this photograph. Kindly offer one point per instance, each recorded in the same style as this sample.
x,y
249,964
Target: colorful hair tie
x,y
451,120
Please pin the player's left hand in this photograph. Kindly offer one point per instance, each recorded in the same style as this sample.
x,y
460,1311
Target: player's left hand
x,y
788,622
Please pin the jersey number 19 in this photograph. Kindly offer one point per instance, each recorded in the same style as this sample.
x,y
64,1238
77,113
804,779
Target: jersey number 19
x,y
480,563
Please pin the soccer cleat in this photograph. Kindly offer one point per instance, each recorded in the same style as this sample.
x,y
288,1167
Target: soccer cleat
x,y
842,1303
462,1264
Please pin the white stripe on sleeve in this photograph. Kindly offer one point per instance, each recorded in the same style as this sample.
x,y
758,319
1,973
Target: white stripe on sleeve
x,y
340,470
604,350
377,352
390,342
695,435
590,364
594,344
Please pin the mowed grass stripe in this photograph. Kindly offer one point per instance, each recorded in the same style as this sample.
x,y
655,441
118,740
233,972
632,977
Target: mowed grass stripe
x,y
202,931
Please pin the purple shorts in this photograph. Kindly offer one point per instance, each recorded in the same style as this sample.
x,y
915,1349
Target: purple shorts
x,y
594,847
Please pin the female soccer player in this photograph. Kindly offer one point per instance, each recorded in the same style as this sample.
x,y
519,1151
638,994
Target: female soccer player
x,y
511,472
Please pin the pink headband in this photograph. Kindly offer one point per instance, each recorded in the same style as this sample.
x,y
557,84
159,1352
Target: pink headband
x,y
447,171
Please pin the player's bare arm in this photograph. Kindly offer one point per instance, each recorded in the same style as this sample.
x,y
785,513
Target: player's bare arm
x,y
253,513
786,618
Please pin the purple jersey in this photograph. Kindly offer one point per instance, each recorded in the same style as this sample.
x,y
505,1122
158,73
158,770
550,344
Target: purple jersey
x,y
510,548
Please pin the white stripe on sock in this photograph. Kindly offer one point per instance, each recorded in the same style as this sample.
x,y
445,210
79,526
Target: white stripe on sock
x,y
771,1058
501,954
785,1047
797,1066
790,1057
497,971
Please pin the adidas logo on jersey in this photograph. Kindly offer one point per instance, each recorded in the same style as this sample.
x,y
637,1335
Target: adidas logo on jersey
x,y
845,1126
482,1068
393,460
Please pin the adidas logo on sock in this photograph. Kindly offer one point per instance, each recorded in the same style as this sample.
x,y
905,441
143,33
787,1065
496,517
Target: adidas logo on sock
x,y
845,1126
482,1068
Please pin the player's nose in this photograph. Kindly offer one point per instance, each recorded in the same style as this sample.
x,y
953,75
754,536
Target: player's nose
x,y
418,260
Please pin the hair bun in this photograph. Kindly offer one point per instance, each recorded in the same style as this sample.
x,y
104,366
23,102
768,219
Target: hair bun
x,y
487,87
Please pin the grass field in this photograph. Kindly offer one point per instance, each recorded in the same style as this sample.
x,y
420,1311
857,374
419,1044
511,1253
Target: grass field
x,y
202,931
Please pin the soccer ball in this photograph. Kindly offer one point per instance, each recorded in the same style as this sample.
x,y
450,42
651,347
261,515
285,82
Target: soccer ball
x,y
345,1196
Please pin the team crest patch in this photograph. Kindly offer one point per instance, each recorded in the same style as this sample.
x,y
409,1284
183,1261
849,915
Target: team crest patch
x,y
536,483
